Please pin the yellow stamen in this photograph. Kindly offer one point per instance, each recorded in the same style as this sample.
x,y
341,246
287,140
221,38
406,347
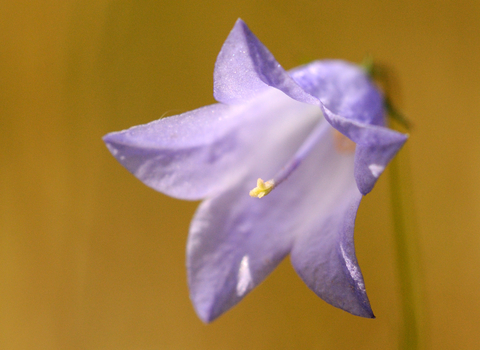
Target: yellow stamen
x,y
262,189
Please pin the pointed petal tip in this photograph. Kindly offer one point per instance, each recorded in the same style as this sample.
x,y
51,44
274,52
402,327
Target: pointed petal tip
x,y
367,178
110,141
239,21
240,25
365,312
205,317
360,307
112,138
205,312
114,142
106,138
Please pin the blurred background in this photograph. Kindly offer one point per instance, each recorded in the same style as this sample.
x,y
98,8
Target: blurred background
x,y
90,258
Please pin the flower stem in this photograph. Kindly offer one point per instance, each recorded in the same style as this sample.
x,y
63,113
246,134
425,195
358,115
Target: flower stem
x,y
413,329
412,335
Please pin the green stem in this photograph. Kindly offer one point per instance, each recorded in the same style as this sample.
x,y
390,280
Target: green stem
x,y
406,245
413,329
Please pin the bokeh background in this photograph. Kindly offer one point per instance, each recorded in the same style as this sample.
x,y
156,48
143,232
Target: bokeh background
x,y
90,258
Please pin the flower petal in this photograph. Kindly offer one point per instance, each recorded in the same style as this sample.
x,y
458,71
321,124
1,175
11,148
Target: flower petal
x,y
186,156
325,258
245,68
199,153
376,146
234,243
343,88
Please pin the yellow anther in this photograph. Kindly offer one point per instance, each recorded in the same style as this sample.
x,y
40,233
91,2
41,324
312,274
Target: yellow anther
x,y
262,189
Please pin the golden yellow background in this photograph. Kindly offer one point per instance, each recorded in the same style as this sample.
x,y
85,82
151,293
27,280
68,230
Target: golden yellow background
x,y
90,258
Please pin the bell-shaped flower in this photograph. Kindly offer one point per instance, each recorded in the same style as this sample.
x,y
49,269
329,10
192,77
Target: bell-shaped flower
x,y
317,135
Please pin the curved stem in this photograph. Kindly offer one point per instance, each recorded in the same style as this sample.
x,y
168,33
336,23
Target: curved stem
x,y
408,259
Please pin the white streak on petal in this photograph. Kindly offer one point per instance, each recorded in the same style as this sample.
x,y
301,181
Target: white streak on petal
x,y
376,169
244,277
353,270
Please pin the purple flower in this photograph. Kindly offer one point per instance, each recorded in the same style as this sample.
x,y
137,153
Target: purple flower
x,y
317,132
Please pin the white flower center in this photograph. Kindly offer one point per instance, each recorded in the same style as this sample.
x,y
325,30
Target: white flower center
x,y
264,188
